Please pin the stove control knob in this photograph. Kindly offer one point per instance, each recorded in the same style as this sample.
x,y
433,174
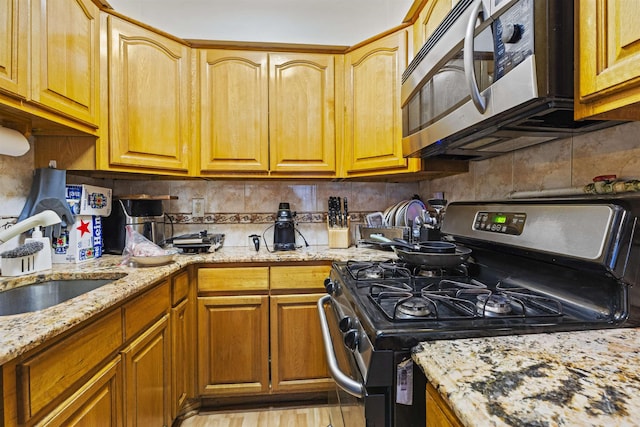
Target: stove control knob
x,y
346,324
331,286
352,339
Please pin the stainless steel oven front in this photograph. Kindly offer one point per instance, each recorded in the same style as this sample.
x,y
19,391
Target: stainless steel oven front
x,y
350,404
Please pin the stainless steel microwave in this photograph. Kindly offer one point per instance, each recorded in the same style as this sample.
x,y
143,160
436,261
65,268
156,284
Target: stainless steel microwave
x,y
494,77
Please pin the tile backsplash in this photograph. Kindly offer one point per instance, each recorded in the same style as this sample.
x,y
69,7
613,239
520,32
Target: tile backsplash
x,y
241,208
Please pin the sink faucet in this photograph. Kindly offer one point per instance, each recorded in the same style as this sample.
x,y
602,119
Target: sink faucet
x,y
42,219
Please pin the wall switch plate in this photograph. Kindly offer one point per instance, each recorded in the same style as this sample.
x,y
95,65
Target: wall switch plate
x,y
197,208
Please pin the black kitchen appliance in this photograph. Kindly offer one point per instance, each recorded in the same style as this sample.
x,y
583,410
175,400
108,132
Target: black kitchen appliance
x,y
536,266
284,233
142,212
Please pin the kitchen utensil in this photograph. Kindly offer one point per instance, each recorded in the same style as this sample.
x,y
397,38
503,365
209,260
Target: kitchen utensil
x,y
433,259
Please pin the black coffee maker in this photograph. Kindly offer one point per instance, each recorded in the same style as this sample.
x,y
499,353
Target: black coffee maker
x,y
284,234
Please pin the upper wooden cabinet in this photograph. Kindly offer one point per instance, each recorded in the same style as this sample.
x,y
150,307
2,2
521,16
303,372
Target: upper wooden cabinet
x,y
428,20
267,113
65,54
234,111
373,117
149,101
302,123
608,55
14,39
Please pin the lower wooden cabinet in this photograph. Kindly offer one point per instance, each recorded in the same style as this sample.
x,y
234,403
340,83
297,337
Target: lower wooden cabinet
x,y
183,341
439,414
297,357
98,403
267,342
233,345
147,389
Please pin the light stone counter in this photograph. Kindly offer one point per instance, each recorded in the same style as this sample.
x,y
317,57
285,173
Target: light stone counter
x,y
589,378
22,332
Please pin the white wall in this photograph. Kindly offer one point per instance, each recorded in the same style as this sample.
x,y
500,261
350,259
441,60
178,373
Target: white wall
x,y
328,22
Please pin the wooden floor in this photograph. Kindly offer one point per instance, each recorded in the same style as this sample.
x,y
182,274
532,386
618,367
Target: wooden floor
x,y
316,416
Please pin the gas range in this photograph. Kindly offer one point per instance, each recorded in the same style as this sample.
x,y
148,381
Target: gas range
x,y
536,266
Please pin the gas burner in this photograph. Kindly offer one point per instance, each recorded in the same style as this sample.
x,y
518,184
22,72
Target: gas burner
x,y
493,304
366,271
414,307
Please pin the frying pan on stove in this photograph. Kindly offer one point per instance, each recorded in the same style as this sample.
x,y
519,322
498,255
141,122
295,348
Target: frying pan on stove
x,y
431,253
434,259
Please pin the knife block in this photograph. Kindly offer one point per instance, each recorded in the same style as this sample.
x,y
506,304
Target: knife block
x,y
339,237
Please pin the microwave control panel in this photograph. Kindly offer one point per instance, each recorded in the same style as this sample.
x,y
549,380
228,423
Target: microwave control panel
x,y
500,222
513,36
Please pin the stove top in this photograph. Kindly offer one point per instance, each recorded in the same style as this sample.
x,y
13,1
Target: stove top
x,y
399,305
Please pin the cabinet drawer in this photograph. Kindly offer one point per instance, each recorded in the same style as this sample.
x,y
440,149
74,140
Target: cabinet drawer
x,y
299,277
49,374
145,309
179,287
233,279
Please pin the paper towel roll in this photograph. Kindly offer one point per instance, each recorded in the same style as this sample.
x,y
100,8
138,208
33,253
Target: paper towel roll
x,y
12,142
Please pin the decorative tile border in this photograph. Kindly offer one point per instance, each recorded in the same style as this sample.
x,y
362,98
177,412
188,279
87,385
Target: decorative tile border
x,y
255,218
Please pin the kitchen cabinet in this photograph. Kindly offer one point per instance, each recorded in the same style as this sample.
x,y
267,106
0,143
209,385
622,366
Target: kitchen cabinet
x,y
277,305
97,403
268,113
296,344
302,113
14,39
147,389
65,55
234,111
183,357
428,20
147,359
149,102
439,414
52,373
112,370
233,331
373,117
608,59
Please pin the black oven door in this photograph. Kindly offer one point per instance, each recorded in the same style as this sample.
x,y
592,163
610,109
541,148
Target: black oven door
x,y
349,404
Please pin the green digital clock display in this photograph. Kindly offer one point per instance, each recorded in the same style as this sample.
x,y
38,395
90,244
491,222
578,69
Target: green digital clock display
x,y
499,219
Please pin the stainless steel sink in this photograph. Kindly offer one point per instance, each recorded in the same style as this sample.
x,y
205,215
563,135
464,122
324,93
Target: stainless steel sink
x,y
38,296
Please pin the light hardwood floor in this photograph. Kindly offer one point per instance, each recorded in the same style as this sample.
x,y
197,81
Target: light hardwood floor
x,y
270,417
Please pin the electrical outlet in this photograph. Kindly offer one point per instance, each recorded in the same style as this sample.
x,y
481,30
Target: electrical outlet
x,y
197,210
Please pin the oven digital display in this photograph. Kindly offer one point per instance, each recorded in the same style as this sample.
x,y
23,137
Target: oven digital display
x,y
500,222
500,219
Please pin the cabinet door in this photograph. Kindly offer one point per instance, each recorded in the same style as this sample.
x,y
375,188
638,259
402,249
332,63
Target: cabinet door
x,y
608,54
148,100
65,57
302,130
14,36
147,377
439,414
428,20
298,362
97,403
233,345
182,355
373,121
234,111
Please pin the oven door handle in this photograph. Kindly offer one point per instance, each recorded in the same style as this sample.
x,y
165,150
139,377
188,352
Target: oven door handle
x,y
343,381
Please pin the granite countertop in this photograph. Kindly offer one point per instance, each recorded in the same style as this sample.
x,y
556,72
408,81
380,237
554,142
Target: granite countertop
x,y
22,332
587,378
